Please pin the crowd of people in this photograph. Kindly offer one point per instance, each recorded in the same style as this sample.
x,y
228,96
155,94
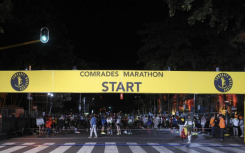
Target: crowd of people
x,y
118,123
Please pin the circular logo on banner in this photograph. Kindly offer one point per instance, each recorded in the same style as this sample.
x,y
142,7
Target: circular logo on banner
x,y
223,82
19,81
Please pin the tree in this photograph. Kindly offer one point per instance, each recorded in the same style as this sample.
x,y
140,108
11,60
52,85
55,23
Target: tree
x,y
6,8
173,43
224,14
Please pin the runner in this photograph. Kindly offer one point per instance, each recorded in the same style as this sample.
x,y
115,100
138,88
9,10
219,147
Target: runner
x,y
125,124
189,123
130,123
118,123
103,122
109,125
149,124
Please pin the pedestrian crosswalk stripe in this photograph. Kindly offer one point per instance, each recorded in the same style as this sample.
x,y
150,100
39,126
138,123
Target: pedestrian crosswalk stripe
x,y
231,149
136,149
111,147
87,148
210,149
62,148
161,149
39,148
7,144
15,148
185,149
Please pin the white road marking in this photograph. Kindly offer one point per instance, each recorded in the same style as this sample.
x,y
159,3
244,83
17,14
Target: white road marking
x,y
9,150
87,149
136,149
111,149
161,149
62,148
39,148
183,148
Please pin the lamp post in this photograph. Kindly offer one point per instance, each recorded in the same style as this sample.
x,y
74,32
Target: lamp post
x,y
84,101
50,95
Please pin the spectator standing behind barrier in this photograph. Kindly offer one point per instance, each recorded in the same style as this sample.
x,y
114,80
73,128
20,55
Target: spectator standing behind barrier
x,y
40,124
60,124
93,126
203,122
48,125
241,124
212,125
216,124
222,127
235,123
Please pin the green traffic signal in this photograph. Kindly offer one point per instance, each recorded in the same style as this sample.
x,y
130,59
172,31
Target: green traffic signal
x,y
44,35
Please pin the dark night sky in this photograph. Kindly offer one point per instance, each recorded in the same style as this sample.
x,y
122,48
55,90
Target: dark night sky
x,y
105,31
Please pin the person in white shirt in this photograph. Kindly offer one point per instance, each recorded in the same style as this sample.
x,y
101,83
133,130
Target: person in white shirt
x,y
130,123
203,122
235,122
118,123
189,123
109,125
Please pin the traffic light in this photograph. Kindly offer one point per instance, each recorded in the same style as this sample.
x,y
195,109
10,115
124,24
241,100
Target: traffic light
x,y
44,35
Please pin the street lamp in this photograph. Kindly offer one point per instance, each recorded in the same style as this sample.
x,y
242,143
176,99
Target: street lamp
x,y
50,95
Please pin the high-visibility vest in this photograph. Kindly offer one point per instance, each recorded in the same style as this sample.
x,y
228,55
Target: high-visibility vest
x,y
212,122
222,123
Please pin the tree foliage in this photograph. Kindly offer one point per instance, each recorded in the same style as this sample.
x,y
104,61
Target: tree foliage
x,y
6,8
173,43
222,14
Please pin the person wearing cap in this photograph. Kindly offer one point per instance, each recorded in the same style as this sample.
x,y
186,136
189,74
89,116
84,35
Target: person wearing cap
x,y
241,124
93,126
189,123
222,127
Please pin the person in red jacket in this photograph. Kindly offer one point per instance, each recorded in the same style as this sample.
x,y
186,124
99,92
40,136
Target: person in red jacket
x,y
48,125
222,127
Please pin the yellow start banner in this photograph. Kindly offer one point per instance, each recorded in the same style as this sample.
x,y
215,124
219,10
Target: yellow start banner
x,y
122,81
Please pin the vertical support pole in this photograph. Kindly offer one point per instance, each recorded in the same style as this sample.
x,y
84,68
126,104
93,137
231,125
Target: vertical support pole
x,y
168,106
161,103
177,104
80,103
154,108
194,103
30,95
